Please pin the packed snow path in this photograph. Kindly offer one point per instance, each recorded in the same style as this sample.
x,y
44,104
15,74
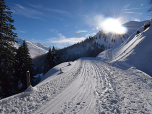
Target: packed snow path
x,y
90,87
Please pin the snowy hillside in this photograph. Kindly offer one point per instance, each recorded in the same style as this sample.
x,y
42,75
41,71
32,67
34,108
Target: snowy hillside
x,y
109,40
136,50
113,40
35,48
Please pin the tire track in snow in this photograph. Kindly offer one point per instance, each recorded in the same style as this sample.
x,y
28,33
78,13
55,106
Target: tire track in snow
x,y
61,96
81,95
29,102
129,89
91,87
83,92
107,99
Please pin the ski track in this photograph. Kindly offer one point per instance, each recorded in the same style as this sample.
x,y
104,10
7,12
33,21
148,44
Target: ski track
x,y
90,87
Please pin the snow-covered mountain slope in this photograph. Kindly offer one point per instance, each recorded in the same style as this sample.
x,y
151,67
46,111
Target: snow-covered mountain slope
x,y
113,40
132,26
109,40
90,86
35,48
136,50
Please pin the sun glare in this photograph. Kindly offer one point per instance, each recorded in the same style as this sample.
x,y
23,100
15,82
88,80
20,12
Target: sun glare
x,y
113,25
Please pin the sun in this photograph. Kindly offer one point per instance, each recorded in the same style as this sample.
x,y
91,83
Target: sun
x,y
113,25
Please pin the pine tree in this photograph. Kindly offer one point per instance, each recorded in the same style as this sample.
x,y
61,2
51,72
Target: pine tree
x,y
51,60
18,70
22,65
100,35
7,50
54,55
48,62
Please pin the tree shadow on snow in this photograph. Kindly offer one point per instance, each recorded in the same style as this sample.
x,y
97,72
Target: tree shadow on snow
x,y
60,73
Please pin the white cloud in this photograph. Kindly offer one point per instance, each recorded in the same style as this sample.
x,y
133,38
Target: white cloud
x,y
67,25
129,12
126,6
67,40
137,20
134,8
80,31
92,34
19,6
63,39
54,31
36,6
131,9
59,11
25,11
21,31
52,10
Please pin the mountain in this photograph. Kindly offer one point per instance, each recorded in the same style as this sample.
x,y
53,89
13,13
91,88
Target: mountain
x,y
135,51
35,48
109,40
90,47
132,26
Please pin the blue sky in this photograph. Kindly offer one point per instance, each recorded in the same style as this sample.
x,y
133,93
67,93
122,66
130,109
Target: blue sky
x,y
61,23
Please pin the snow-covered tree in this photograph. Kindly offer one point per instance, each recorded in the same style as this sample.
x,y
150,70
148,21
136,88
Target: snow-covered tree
x,y
7,50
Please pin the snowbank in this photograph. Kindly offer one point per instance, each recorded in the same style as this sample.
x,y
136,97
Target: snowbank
x,y
65,67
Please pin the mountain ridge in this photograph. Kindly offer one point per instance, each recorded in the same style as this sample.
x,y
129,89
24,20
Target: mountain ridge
x,y
35,48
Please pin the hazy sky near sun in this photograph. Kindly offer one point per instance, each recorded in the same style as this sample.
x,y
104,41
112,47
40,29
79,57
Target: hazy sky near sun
x,y
64,22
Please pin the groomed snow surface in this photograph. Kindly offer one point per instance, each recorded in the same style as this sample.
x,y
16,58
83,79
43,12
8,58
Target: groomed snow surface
x,y
111,83
91,86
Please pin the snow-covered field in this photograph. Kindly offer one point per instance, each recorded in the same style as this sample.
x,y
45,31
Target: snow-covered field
x,y
107,84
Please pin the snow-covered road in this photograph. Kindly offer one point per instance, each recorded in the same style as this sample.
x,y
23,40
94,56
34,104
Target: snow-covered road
x,y
100,88
90,87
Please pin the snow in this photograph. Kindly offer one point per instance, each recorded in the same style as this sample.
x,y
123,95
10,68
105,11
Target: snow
x,y
135,51
132,26
30,89
91,86
117,81
141,29
147,22
109,40
35,48
65,67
